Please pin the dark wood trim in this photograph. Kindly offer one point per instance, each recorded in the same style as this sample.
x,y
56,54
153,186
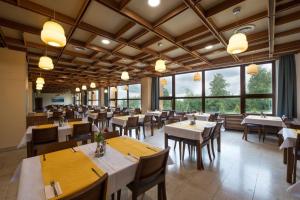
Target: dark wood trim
x,y
242,89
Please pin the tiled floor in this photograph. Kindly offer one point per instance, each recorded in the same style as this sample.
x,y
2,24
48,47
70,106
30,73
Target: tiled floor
x,y
243,170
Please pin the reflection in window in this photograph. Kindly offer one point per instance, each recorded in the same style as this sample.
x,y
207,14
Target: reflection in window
x,y
134,103
122,92
122,103
186,86
260,83
93,96
165,105
134,91
165,86
188,105
222,105
222,82
256,106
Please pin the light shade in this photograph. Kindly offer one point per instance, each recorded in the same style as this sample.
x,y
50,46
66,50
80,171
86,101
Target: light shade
x,y
53,34
197,76
93,85
105,91
83,87
163,82
237,43
39,86
46,63
125,76
160,66
252,69
40,80
77,89
153,3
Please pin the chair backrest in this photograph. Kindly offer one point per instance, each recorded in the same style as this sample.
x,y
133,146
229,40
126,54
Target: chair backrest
x,y
152,167
148,118
44,135
137,111
217,130
36,120
133,122
82,129
70,114
164,114
172,113
75,120
206,134
51,147
96,191
102,115
212,118
113,134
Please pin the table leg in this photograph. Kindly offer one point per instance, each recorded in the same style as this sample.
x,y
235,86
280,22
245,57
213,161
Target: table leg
x,y
166,141
199,156
114,128
284,156
151,129
180,150
219,143
290,164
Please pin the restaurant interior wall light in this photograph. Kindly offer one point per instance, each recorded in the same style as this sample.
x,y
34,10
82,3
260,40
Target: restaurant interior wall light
x,y
53,34
252,69
77,89
125,76
160,66
93,85
105,41
83,87
237,43
40,80
153,3
105,91
46,63
197,76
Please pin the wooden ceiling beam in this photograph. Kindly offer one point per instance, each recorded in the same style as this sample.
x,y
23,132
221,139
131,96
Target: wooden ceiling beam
x,y
271,25
191,33
124,29
123,4
287,6
287,18
221,7
151,41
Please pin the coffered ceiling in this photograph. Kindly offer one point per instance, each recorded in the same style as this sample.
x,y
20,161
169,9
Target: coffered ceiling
x,y
178,31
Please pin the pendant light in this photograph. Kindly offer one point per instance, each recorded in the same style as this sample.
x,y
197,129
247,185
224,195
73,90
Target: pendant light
x,y
46,63
252,69
238,41
77,89
197,76
93,85
40,80
105,91
160,66
125,76
53,34
83,87
39,86
163,82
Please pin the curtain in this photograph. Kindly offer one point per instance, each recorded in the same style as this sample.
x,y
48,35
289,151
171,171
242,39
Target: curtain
x,y
287,87
154,93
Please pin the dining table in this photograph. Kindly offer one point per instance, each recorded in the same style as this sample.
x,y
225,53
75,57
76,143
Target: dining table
x,y
198,116
155,113
264,121
94,115
288,145
121,122
120,162
183,130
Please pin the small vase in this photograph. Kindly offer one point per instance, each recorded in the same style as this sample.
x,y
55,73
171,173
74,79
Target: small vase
x,y
97,152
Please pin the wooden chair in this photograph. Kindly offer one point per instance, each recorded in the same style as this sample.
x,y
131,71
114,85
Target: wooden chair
x,y
137,111
296,156
164,117
52,147
41,136
36,120
109,135
82,132
132,123
148,121
151,171
171,114
206,137
102,118
57,115
216,134
70,114
96,191
255,127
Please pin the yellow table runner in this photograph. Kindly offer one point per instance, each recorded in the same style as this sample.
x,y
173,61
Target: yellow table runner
x,y
134,147
73,171
45,126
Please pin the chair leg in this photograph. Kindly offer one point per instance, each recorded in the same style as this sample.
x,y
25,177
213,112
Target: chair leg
x,y
180,150
113,196
212,147
119,195
159,192
175,145
295,170
134,196
164,192
208,150
144,131
183,150
219,143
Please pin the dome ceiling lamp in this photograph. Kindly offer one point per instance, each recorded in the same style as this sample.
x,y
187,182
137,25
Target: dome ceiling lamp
x,y
83,87
93,85
238,41
77,89
252,69
45,62
125,76
163,82
39,86
160,66
197,76
40,80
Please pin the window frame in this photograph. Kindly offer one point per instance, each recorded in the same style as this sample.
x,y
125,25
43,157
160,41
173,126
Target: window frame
x,y
116,99
93,100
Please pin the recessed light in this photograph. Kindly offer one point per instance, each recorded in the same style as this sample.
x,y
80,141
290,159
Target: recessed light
x,y
77,48
105,41
160,44
209,47
153,3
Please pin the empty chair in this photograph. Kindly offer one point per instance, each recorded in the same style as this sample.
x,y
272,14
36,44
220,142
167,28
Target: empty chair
x,y
96,191
216,134
70,114
296,156
148,121
151,171
137,111
102,118
41,136
82,132
52,147
171,114
36,120
113,134
256,127
57,115
132,124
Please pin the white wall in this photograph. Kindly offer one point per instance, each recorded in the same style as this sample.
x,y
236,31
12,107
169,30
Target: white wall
x,y
47,98
297,58
146,94
13,101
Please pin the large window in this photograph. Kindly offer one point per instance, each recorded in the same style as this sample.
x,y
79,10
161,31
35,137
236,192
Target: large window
x,y
126,96
93,97
78,99
230,90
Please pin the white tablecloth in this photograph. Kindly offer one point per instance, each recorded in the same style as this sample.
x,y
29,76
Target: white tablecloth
x,y
289,137
199,116
154,113
183,129
120,168
122,120
63,131
267,121
95,115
